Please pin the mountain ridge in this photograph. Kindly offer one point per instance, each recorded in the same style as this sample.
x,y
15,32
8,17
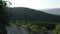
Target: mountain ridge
x,y
55,11
28,14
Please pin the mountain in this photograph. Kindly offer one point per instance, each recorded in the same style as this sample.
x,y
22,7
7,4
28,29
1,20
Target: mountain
x,y
55,11
22,13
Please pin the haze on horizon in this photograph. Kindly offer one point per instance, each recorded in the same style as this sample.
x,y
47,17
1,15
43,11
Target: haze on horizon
x,y
36,4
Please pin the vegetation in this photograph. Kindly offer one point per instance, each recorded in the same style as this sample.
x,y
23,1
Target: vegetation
x,y
33,28
22,13
3,17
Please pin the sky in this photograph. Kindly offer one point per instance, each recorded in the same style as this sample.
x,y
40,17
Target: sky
x,y
36,4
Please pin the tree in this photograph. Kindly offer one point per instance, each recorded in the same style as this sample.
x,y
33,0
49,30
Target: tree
x,y
3,17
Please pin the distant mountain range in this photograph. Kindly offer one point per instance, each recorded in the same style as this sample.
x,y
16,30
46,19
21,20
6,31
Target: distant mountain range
x,y
28,14
55,11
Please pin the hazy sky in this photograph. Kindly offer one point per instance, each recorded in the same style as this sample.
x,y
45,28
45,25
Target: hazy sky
x,y
36,4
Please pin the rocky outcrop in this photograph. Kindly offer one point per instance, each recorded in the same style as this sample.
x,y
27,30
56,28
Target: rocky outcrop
x,y
13,29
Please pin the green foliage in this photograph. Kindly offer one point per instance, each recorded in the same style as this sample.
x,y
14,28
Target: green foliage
x,y
3,4
34,26
44,29
3,17
58,27
27,24
3,13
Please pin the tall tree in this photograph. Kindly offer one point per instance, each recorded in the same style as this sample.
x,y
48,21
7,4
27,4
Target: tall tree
x,y
3,17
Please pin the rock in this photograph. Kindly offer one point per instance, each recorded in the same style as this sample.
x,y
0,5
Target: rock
x,y
13,29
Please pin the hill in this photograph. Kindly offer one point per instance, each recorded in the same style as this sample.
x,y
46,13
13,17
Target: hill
x,y
55,11
22,13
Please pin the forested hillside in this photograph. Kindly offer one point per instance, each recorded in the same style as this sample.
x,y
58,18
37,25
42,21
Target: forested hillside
x,y
22,13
